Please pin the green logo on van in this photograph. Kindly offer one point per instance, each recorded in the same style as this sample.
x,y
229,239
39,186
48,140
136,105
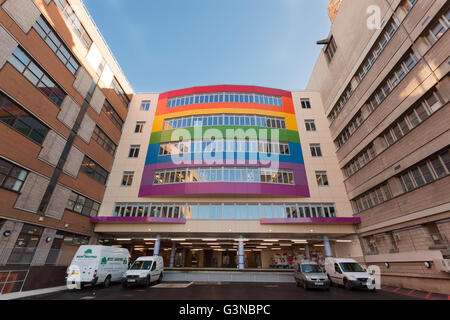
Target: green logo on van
x,y
104,260
88,251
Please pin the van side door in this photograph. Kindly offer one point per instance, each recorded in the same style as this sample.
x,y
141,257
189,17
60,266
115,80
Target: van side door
x,y
338,276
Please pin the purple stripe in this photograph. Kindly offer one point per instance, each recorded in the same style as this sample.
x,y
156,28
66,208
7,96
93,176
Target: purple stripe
x,y
300,189
311,220
224,188
138,220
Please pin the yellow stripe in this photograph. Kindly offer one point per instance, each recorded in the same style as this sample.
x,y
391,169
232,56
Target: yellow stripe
x,y
291,122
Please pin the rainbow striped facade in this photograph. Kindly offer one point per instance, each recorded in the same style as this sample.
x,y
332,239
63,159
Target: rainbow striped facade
x,y
280,106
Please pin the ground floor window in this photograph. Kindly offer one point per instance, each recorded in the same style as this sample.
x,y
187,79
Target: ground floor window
x,y
26,244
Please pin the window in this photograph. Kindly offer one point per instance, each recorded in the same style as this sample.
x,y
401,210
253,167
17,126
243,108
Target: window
x,y
306,104
20,120
56,44
145,105
372,198
224,97
120,92
322,179
360,161
37,76
418,113
73,22
104,141
134,151
429,170
225,211
378,47
112,114
127,179
139,127
93,170
224,174
330,50
71,239
12,177
225,119
25,246
80,204
438,28
316,151
371,245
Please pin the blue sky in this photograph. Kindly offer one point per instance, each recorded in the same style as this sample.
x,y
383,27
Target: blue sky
x,y
165,45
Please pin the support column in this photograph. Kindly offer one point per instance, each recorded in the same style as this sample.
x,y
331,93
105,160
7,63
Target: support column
x,y
172,255
241,254
307,254
326,242
157,245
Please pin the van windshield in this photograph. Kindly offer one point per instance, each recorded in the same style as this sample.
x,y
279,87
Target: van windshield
x,y
141,265
351,267
311,268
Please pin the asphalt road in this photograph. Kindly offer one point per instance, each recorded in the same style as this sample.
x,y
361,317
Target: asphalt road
x,y
218,291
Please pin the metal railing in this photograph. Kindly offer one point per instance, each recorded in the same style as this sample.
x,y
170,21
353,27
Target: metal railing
x,y
12,280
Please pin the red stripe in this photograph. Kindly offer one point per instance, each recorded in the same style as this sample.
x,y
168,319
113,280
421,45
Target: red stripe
x,y
225,88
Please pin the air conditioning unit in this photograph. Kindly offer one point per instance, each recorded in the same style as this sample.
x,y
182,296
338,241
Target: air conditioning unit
x,y
442,265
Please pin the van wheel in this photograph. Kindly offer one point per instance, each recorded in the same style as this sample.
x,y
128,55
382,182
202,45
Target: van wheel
x,y
297,283
160,278
331,282
147,282
107,282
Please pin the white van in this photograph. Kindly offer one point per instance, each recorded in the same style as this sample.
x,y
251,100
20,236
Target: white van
x,y
144,271
97,264
349,273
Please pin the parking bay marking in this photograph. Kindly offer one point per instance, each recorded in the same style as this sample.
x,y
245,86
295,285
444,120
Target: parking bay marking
x,y
173,285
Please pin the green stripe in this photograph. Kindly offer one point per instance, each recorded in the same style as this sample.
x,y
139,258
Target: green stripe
x,y
284,135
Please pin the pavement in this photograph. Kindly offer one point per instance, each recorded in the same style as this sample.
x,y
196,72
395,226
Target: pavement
x,y
223,291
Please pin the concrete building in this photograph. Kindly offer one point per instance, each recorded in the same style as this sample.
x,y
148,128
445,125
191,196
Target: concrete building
x,y
385,90
63,100
228,176
267,194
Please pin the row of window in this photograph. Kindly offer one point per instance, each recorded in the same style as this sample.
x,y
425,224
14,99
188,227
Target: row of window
x,y
225,120
104,141
360,161
434,167
354,124
82,205
225,211
372,198
112,115
431,169
37,76
56,44
224,174
247,146
397,75
92,169
21,120
369,61
386,87
224,97
331,49
120,92
419,112
430,103
73,22
12,177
